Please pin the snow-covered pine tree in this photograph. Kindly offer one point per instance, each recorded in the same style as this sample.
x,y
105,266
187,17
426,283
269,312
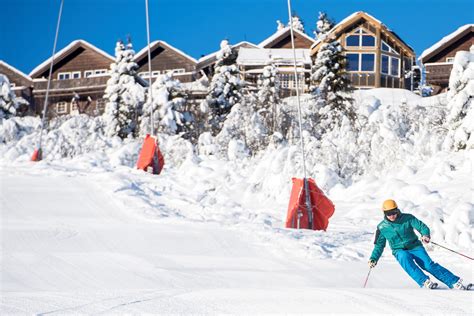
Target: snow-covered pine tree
x,y
268,95
225,88
169,113
124,95
297,23
8,104
331,86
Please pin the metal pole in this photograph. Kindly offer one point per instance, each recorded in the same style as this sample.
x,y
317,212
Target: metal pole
x,y
150,94
306,186
367,278
45,108
451,250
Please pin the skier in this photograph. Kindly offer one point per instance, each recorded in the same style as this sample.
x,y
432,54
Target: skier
x,y
398,229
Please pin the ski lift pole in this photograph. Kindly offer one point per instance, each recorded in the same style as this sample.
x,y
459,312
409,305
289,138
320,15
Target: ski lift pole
x,y
309,209
150,93
45,108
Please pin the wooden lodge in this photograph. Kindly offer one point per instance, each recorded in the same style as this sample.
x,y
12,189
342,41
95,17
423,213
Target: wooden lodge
x,y
438,59
79,78
377,57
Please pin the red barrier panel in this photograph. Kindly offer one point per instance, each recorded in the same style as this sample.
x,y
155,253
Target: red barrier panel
x,y
150,156
322,207
37,155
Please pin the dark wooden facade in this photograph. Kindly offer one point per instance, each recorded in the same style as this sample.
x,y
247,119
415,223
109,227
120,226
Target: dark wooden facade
x,y
79,78
377,57
21,84
166,59
438,59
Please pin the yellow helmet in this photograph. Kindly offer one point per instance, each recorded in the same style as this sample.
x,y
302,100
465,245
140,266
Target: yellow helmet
x,y
389,205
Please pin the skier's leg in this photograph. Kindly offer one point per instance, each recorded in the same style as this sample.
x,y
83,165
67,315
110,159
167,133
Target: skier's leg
x,y
408,264
438,271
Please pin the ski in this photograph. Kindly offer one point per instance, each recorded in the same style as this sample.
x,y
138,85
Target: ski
x,y
469,287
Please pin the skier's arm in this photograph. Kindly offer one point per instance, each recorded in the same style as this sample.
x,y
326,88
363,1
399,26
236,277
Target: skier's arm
x,y
420,226
379,243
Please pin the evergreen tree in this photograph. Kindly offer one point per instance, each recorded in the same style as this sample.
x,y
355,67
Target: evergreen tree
x,y
331,86
169,113
124,95
268,96
225,88
8,103
297,23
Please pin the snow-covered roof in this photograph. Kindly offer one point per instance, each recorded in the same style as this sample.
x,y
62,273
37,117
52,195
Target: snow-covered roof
x,y
144,51
279,56
282,32
65,50
4,64
356,15
210,56
444,41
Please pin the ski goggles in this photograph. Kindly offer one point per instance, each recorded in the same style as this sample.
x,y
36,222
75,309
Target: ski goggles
x,y
392,212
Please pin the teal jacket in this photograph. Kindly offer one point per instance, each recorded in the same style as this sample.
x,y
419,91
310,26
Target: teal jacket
x,y
399,233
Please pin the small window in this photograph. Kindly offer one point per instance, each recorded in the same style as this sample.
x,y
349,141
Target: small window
x,y
76,75
179,71
12,84
389,49
450,59
100,71
155,73
61,107
73,106
88,73
64,75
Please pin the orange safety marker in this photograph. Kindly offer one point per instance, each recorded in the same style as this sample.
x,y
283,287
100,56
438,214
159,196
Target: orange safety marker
x,y
322,206
37,155
150,158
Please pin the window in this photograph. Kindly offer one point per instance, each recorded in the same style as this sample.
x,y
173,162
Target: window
x,y
100,71
76,75
155,73
360,38
61,107
178,70
450,59
390,65
88,73
12,84
360,62
389,49
64,75
74,106
287,81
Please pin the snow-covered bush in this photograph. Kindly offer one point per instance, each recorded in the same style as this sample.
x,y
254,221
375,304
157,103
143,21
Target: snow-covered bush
x,y
124,95
169,113
268,96
460,117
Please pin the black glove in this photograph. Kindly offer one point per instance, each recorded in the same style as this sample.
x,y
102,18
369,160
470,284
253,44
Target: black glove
x,y
372,263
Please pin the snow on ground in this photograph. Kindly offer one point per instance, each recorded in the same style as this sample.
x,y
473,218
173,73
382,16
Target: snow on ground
x,y
84,232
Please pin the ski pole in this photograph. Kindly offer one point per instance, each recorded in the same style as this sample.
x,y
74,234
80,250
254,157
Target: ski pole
x,y
452,250
367,278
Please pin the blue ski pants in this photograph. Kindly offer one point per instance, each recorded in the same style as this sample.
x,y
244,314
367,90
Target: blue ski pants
x,y
416,260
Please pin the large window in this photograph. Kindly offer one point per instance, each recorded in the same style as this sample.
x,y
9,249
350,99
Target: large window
x,y
390,65
361,62
360,38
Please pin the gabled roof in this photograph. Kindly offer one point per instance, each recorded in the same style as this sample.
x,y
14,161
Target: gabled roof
x,y
65,52
447,40
144,52
4,64
341,26
282,33
210,58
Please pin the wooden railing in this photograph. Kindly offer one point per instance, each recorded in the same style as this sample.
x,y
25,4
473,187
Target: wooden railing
x,y
71,83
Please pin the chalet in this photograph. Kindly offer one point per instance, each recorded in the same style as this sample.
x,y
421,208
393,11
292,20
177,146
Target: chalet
x,y
377,56
282,39
21,85
251,63
78,82
166,59
438,59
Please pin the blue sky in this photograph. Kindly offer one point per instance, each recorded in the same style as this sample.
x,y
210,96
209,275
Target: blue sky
x,y
197,26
